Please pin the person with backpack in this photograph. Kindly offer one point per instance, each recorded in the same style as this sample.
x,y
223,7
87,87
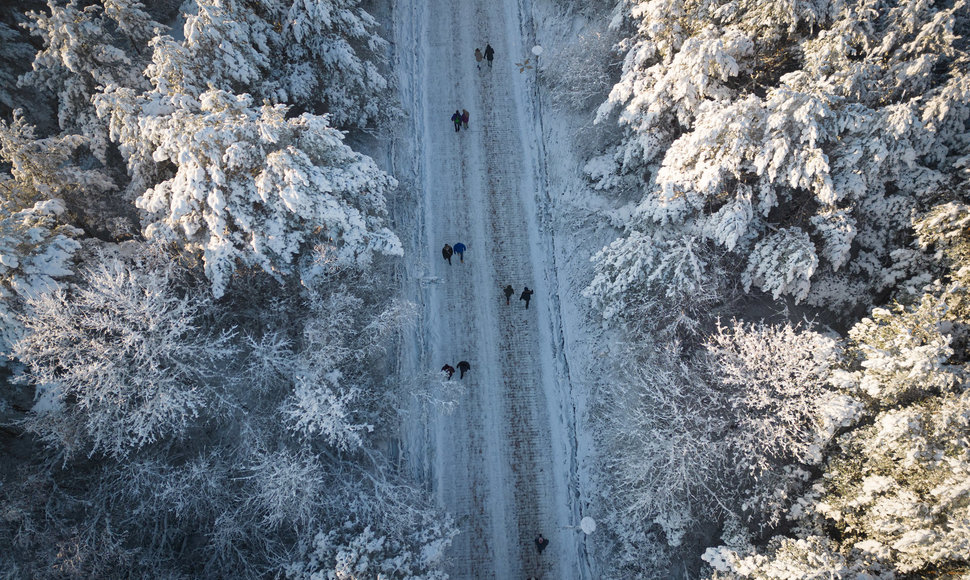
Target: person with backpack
x,y
463,366
489,54
464,118
456,119
459,249
446,253
526,295
541,543
448,370
509,291
478,58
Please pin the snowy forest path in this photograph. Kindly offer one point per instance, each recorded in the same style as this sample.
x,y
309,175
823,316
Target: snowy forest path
x,y
499,462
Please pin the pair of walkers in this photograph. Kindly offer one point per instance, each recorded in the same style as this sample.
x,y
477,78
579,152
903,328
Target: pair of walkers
x,y
488,55
460,118
526,294
463,366
448,251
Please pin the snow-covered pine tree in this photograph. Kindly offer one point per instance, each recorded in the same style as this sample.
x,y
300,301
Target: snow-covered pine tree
x,y
666,282
314,53
835,118
16,53
386,531
782,263
946,229
36,242
82,52
901,354
249,187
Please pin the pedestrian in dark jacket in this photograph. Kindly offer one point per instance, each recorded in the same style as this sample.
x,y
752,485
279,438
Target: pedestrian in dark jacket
x,y
456,119
526,295
489,53
464,117
478,58
448,370
509,291
446,253
463,366
541,543
460,250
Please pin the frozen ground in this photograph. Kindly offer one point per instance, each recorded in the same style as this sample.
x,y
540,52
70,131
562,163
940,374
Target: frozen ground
x,y
505,460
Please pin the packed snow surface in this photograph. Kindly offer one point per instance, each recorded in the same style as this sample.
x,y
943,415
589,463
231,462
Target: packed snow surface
x,y
502,460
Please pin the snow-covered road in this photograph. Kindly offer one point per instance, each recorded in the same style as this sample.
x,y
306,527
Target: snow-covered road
x,y
504,461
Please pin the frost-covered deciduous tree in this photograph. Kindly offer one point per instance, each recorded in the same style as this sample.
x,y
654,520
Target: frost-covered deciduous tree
x,y
289,489
892,499
731,432
776,376
119,362
665,455
305,52
251,187
773,381
332,396
746,119
581,73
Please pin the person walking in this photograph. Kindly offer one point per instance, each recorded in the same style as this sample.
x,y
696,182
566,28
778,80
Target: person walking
x,y
460,250
489,54
509,291
526,295
446,253
456,119
478,58
463,366
448,370
464,117
541,543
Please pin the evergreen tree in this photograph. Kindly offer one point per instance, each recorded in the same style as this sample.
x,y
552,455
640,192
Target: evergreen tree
x,y
249,187
742,120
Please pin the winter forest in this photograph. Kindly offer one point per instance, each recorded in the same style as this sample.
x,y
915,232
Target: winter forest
x,y
734,344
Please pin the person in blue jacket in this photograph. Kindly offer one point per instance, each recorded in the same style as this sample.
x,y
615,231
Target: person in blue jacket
x,y
459,249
